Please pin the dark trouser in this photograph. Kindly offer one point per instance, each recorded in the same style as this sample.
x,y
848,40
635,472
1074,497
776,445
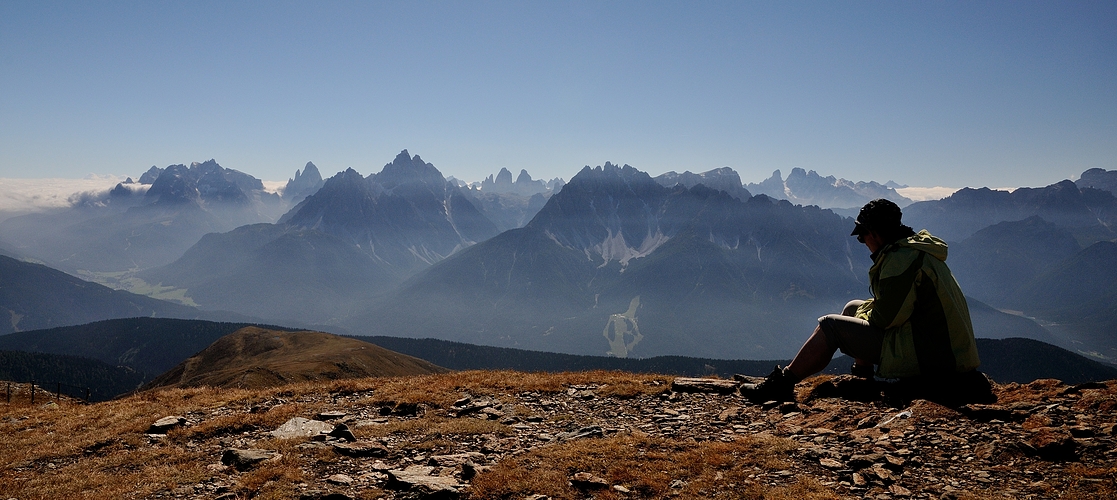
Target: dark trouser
x,y
853,336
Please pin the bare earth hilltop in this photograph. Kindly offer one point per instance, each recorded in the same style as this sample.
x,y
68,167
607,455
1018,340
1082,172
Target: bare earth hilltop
x,y
515,435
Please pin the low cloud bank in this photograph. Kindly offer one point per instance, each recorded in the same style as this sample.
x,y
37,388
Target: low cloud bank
x,y
36,195
926,193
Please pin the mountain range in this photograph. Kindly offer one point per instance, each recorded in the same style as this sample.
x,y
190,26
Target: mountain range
x,y
618,263
614,261
336,250
1089,214
804,187
138,226
34,297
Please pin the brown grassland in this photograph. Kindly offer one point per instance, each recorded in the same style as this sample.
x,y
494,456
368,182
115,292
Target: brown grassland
x,y
73,450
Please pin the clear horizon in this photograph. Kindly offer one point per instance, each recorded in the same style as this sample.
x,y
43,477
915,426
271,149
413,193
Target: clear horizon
x,y
946,94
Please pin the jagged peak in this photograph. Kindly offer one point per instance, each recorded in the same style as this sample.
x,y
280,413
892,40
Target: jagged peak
x,y
405,169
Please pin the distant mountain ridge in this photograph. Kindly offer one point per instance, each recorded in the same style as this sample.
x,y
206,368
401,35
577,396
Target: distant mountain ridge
x,y
1098,178
305,183
128,229
698,271
804,187
150,346
510,204
1090,214
33,297
335,251
723,179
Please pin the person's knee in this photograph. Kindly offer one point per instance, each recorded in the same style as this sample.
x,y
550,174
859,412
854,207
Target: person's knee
x,y
827,330
851,307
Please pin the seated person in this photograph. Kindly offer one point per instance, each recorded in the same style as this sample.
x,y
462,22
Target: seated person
x,y
916,326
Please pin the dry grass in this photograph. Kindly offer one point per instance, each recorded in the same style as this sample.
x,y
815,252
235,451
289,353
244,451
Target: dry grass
x,y
101,451
651,468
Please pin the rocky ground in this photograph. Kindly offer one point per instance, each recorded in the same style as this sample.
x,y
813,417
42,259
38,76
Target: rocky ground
x,y
1040,440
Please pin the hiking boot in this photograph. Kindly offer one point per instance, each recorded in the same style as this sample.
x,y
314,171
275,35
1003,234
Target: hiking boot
x,y
777,386
862,371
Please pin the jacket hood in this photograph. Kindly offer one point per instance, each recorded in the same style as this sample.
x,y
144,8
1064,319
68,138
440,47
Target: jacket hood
x,y
926,242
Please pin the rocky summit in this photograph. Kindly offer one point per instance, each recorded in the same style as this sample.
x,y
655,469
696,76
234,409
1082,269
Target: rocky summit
x,y
518,435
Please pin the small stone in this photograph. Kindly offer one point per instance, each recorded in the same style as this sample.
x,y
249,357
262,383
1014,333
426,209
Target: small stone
x,y
899,491
492,413
894,463
455,459
361,449
341,431
420,479
301,427
857,462
340,479
830,463
165,424
884,474
246,459
686,384
584,432
469,470
330,415
587,481
621,489
729,414
1081,431
1053,443
789,407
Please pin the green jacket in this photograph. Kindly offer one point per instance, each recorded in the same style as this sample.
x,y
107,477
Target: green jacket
x,y
918,304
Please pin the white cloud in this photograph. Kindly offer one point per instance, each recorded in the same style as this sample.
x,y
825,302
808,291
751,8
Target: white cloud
x,y
926,193
274,186
33,195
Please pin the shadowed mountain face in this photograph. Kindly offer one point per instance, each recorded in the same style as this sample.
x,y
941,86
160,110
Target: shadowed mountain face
x,y
334,252
124,230
71,375
33,296
995,261
407,216
722,179
254,358
1077,299
1087,213
618,263
1045,252
149,346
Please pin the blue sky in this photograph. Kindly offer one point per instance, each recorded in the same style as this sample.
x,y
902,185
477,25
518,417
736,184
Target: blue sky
x,y
925,93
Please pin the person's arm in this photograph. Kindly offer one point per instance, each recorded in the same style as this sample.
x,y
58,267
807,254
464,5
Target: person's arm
x,y
894,294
